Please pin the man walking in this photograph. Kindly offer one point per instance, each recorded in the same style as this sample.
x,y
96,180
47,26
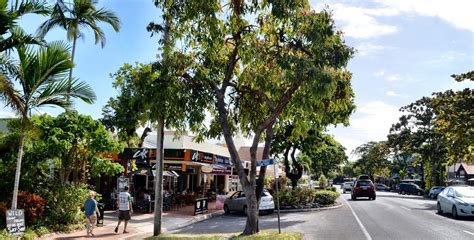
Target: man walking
x,y
125,208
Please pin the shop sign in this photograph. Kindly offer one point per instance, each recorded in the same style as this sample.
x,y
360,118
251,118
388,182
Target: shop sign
x,y
16,222
222,160
206,169
140,155
173,167
202,157
221,171
121,183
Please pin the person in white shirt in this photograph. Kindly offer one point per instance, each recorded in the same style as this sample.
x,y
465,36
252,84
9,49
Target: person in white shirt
x,y
124,202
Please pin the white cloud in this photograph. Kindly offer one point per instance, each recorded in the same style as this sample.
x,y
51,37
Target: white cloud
x,y
394,77
394,94
456,12
4,114
371,122
361,23
379,73
368,49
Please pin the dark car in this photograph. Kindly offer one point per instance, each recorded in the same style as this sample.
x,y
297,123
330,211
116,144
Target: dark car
x,y
410,188
382,187
363,188
363,177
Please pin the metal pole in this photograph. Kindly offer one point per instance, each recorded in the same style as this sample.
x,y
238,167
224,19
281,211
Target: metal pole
x,y
278,197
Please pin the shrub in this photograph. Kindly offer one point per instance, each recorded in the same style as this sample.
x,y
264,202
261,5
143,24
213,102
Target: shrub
x,y
330,188
31,203
63,203
286,197
323,181
282,183
325,197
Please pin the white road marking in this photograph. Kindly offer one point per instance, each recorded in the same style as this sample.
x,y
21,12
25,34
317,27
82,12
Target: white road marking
x,y
406,208
469,232
367,235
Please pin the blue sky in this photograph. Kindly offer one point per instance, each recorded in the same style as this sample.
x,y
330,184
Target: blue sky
x,y
406,49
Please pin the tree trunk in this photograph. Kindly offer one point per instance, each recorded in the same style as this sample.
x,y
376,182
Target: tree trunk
x,y
265,155
74,41
251,227
18,170
159,179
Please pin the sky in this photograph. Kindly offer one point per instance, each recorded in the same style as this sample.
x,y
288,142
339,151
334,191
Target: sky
x,y
406,49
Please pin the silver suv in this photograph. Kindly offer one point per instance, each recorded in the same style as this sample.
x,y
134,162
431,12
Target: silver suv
x,y
347,187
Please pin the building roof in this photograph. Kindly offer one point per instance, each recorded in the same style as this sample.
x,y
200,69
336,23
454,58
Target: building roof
x,y
185,142
469,168
244,153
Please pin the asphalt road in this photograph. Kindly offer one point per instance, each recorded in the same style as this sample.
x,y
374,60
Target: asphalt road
x,y
391,216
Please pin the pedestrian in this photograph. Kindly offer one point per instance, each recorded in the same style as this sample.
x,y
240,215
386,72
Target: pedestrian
x,y
90,210
125,208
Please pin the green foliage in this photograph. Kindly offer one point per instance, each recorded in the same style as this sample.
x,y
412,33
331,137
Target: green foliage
x,y
323,182
303,196
78,16
373,158
329,188
78,142
63,203
325,197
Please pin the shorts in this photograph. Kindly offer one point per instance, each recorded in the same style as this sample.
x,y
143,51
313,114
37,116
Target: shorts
x,y
124,215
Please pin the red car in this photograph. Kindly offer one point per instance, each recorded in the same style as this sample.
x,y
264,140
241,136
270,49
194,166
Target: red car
x,y
363,188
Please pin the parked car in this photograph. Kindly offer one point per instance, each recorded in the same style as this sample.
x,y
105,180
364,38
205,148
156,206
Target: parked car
x,y
347,186
363,177
363,188
410,188
434,191
382,187
237,202
457,200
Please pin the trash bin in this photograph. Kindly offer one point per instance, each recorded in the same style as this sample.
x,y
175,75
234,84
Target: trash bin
x,y
100,217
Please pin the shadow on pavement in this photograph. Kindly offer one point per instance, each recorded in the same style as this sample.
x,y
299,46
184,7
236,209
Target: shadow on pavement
x,y
414,197
97,236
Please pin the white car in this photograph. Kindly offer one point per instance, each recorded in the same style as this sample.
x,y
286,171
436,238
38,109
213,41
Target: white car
x,y
237,202
347,187
457,200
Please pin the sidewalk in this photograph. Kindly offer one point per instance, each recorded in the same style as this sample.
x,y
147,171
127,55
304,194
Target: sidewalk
x,y
141,225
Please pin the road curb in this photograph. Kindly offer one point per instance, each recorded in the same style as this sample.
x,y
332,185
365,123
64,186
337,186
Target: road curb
x,y
197,219
339,205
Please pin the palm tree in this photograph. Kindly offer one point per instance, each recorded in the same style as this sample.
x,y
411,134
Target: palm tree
x,y
11,35
41,74
76,16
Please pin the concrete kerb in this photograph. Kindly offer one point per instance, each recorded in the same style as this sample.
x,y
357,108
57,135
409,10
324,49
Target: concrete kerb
x,y
196,219
338,205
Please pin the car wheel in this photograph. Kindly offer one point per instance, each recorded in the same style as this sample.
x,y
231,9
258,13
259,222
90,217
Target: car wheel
x,y
353,197
455,212
270,211
403,192
226,209
373,198
245,210
431,195
419,193
344,191
438,206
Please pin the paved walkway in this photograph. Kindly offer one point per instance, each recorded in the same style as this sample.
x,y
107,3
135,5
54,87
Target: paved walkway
x,y
141,225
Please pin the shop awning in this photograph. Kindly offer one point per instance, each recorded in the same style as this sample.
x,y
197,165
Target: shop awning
x,y
168,174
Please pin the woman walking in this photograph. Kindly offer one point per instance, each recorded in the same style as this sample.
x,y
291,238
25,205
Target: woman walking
x,y
90,210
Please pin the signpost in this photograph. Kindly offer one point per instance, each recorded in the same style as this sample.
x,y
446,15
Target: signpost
x,y
16,222
122,181
266,162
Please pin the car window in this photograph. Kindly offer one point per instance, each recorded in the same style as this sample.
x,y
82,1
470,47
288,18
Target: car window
x,y
450,191
363,183
467,192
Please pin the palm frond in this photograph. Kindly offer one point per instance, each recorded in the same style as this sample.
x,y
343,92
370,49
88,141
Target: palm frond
x,y
104,15
53,93
31,6
83,91
10,96
19,38
8,65
98,33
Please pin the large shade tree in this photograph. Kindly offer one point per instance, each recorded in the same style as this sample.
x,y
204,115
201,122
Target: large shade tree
x,y
76,16
37,79
256,58
373,158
